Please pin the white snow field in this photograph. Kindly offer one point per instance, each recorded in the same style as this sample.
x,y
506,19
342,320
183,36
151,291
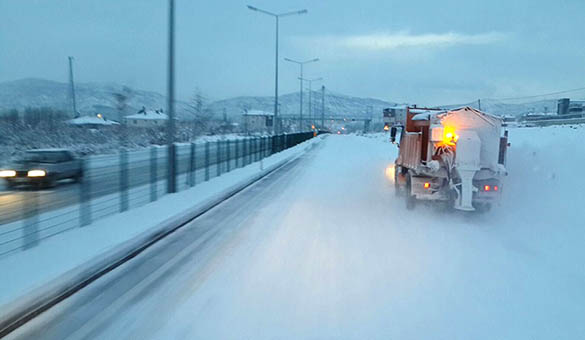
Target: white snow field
x,y
323,250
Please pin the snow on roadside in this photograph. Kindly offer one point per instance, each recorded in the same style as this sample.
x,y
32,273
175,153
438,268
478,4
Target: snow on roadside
x,y
542,212
27,270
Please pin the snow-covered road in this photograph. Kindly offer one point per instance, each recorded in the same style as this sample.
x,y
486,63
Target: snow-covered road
x,y
322,249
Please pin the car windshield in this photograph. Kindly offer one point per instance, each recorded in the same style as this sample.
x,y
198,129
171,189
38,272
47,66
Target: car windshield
x,y
39,157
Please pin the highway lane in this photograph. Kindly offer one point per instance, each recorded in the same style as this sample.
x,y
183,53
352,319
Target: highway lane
x,y
104,180
191,253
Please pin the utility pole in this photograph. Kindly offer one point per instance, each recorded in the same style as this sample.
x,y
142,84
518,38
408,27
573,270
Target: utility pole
x,y
310,104
72,85
275,129
246,123
277,17
171,179
301,99
479,104
323,107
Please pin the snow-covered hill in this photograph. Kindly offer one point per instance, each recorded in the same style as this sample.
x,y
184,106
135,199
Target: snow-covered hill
x,y
99,98
514,109
91,97
335,104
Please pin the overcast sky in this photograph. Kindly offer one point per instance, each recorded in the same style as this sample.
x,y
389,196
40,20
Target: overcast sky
x,y
425,51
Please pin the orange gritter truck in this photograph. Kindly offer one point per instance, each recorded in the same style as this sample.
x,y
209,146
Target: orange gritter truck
x,y
457,157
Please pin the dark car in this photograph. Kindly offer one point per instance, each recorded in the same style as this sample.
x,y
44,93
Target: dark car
x,y
43,167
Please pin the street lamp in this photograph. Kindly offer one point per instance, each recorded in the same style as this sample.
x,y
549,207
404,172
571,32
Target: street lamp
x,y
310,81
301,63
276,17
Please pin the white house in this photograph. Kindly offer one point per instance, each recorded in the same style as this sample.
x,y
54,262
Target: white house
x,y
257,121
92,121
147,119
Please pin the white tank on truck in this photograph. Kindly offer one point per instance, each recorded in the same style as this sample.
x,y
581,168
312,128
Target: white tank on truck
x,y
454,156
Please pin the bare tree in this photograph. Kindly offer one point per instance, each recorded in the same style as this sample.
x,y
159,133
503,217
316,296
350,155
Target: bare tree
x,y
122,105
244,108
202,115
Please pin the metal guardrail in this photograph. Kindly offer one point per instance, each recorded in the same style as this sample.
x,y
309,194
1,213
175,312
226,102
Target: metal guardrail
x,y
113,184
550,121
51,293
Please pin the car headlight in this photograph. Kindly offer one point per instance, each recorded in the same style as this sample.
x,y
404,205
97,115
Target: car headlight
x,y
7,173
36,173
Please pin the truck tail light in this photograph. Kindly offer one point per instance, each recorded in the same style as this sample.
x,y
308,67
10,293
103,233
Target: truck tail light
x,y
496,188
487,188
427,185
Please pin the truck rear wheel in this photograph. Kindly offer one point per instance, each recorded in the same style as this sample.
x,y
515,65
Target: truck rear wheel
x,y
482,208
410,199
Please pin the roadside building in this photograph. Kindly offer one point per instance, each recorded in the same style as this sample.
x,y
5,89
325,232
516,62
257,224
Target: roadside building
x,y
393,115
566,106
147,119
257,121
92,121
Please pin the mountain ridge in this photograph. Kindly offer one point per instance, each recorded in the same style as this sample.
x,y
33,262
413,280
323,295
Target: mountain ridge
x,y
98,97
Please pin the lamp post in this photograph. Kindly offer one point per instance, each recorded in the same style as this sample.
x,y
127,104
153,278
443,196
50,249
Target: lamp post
x,y
301,64
276,17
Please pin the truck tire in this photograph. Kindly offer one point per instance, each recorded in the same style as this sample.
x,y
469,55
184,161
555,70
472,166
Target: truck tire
x,y
482,208
409,198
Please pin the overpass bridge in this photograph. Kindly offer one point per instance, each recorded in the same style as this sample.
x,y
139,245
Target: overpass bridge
x,y
322,121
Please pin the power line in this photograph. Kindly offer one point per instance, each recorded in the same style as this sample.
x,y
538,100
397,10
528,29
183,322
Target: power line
x,y
539,95
514,98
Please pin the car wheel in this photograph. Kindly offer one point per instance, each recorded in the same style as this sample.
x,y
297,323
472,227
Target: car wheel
x,y
48,183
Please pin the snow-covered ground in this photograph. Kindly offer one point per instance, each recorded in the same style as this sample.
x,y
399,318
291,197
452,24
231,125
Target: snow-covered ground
x,y
346,260
329,252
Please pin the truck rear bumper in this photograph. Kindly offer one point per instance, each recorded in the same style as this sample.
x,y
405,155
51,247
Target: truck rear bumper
x,y
429,188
